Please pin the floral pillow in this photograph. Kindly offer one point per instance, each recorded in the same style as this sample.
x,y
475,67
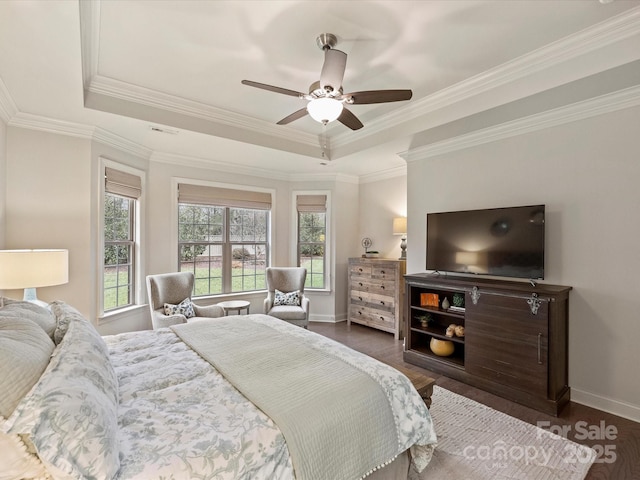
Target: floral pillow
x,y
70,415
287,298
185,308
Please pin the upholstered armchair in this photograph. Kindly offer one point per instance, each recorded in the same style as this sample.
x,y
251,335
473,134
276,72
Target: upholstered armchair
x,y
289,303
174,288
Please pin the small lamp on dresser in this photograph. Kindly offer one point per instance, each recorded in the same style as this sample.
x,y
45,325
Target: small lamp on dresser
x,y
30,269
400,228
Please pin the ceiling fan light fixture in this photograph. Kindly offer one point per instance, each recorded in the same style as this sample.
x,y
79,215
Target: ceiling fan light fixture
x,y
324,110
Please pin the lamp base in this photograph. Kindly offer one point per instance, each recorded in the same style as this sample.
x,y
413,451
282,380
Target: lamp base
x,y
403,247
30,296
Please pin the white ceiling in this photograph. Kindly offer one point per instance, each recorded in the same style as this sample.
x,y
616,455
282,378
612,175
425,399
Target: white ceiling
x,y
120,67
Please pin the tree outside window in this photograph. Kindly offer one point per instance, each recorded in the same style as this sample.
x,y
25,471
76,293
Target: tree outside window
x,y
119,243
225,247
312,238
311,247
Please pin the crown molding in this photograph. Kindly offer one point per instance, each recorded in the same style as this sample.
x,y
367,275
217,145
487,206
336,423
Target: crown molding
x,y
221,166
608,103
613,30
116,141
8,108
324,177
89,39
400,171
111,87
51,125
227,167
61,127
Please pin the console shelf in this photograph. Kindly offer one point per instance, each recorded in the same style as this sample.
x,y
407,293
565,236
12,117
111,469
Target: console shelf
x,y
515,335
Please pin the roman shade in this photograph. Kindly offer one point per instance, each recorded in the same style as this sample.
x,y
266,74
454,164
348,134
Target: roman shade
x,y
311,203
122,183
223,197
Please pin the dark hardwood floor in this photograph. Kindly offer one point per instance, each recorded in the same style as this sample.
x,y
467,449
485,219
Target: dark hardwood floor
x,y
615,439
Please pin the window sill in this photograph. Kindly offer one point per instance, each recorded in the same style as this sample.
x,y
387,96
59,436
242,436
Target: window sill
x,y
132,311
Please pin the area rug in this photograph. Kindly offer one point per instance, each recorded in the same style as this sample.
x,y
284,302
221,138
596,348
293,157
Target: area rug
x,y
476,442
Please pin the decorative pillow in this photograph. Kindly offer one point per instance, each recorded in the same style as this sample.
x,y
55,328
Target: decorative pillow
x,y
70,414
25,350
16,461
185,308
64,314
37,314
287,298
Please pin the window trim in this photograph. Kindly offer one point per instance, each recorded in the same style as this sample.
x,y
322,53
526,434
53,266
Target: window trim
x,y
139,240
271,236
328,277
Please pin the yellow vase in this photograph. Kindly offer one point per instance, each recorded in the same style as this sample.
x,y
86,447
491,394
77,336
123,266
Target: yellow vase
x,y
442,348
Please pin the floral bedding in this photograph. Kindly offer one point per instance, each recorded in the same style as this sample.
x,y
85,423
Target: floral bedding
x,y
144,405
179,418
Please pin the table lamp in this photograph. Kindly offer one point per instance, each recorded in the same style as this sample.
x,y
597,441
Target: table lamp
x,y
30,269
400,228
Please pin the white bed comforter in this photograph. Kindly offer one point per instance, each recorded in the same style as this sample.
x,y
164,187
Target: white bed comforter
x,y
180,418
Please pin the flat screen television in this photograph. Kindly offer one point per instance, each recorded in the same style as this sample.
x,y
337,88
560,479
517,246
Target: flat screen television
x,y
506,242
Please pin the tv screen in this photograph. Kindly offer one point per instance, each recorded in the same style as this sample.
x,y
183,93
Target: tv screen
x,y
507,242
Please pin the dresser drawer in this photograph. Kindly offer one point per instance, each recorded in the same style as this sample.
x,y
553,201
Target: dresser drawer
x,y
384,272
360,270
371,316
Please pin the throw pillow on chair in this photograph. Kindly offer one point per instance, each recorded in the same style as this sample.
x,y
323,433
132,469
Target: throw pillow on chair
x,y
287,298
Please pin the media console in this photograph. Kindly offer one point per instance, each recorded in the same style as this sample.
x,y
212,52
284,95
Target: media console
x,y
515,341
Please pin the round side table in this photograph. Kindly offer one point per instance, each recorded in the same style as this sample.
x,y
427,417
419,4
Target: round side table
x,y
235,305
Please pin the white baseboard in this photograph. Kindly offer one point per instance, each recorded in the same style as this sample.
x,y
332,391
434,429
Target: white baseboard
x,y
328,318
615,407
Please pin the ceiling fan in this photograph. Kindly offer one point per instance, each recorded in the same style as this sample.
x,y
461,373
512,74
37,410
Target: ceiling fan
x,y
326,98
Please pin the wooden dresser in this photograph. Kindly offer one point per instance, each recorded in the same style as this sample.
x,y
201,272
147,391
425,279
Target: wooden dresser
x,y
376,293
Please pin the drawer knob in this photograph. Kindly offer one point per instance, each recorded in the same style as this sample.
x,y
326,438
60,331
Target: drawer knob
x,y
381,302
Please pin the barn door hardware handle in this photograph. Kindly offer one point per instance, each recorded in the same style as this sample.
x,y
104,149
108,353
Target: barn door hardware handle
x,y
534,303
475,295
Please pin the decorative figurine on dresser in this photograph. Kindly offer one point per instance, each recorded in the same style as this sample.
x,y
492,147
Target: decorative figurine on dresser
x,y
376,293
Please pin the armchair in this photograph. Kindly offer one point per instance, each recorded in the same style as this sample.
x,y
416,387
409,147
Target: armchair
x,y
286,280
173,288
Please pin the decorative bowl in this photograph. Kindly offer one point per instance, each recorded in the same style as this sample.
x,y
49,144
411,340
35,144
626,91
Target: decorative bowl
x,y
442,348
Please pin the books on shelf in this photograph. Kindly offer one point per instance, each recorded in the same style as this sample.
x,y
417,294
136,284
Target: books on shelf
x,y
456,309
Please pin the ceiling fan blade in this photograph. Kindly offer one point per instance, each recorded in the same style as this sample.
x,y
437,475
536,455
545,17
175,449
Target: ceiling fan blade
x,y
350,120
379,96
271,88
294,116
332,73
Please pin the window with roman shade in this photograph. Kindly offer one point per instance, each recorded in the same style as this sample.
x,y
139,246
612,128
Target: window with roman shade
x,y
312,231
223,238
122,191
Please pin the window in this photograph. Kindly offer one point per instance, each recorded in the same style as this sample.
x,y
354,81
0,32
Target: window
x,y
223,238
122,191
312,232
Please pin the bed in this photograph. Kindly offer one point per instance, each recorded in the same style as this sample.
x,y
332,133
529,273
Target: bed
x,y
241,397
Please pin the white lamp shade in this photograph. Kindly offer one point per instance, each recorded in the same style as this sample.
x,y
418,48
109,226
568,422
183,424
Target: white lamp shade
x,y
400,225
324,110
33,268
